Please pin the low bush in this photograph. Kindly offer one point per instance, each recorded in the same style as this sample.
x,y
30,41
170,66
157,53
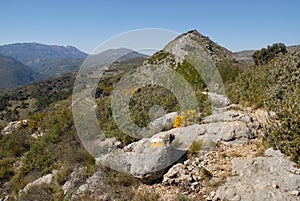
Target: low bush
x,y
275,87
195,148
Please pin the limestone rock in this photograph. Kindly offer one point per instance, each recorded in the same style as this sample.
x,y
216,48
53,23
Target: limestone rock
x,y
93,185
149,158
217,100
47,179
183,173
164,123
271,177
236,131
76,177
12,126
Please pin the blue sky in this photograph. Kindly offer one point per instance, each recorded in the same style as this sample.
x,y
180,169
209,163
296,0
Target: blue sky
x,y
236,25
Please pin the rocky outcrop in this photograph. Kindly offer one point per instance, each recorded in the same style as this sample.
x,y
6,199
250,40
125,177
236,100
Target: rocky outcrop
x,y
217,100
38,133
164,123
12,126
235,172
15,125
232,127
149,158
93,186
47,179
77,177
272,177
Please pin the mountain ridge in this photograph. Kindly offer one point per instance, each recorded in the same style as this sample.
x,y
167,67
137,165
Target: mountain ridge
x,y
46,61
36,56
14,73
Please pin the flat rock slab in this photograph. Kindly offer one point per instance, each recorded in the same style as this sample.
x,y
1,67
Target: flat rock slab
x,y
272,177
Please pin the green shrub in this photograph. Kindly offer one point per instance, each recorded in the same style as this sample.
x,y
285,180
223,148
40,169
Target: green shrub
x,y
205,174
275,87
39,159
228,71
35,120
265,55
15,144
114,178
121,185
195,147
49,192
58,147
180,197
6,168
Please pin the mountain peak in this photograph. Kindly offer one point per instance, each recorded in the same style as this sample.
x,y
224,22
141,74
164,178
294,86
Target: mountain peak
x,y
186,42
191,33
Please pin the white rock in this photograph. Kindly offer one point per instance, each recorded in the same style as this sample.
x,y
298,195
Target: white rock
x,y
47,179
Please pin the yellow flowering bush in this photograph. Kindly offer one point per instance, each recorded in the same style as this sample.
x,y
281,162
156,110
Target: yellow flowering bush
x,y
187,118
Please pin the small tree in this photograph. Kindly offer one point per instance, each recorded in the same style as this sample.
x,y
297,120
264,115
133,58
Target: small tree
x,y
265,55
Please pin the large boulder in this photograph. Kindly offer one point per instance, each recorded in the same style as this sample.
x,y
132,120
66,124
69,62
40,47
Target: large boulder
x,y
149,158
232,127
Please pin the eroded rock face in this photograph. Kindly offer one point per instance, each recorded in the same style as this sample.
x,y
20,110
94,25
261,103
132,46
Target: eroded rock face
x,y
232,126
272,177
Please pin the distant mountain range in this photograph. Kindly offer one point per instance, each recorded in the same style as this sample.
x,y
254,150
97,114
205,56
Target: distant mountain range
x,y
113,55
14,73
34,55
22,63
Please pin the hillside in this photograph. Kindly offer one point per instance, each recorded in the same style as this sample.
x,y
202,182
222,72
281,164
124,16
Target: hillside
x,y
20,101
58,67
13,73
207,128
